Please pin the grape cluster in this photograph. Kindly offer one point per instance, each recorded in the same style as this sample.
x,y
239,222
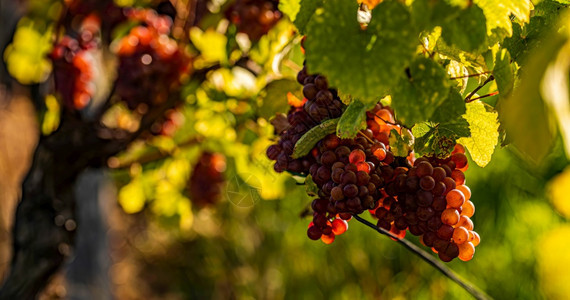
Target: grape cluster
x,y
254,17
205,185
150,62
350,175
425,196
431,200
75,67
320,103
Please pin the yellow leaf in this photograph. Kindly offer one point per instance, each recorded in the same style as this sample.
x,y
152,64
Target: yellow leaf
x,y
131,197
212,45
498,13
26,63
559,189
484,133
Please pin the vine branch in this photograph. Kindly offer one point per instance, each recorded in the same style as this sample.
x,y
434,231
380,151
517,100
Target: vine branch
x,y
469,287
481,97
468,98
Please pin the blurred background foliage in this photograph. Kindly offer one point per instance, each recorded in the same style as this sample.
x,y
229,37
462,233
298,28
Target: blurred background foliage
x,y
251,242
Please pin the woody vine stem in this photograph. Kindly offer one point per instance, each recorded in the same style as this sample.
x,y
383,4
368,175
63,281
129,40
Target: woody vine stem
x,y
476,292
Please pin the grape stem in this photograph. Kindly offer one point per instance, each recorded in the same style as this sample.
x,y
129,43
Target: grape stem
x,y
468,98
476,292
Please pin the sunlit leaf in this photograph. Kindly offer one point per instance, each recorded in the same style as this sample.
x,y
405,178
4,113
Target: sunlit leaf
x,y
401,145
484,128
498,13
131,197
290,8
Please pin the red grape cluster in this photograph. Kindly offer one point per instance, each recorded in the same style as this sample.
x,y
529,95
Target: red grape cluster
x,y
319,103
427,196
150,62
254,17
431,200
74,65
205,185
350,175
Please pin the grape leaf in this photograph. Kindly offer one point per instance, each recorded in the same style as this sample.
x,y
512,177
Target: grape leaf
x,y
462,25
467,30
458,71
306,11
311,137
352,120
401,145
504,73
290,8
484,128
498,13
362,63
446,125
438,139
415,99
526,38
451,109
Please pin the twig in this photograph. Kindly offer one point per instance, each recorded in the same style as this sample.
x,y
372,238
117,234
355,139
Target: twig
x,y
481,97
469,287
471,75
491,78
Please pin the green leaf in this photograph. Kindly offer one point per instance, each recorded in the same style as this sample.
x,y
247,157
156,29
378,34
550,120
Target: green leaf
x,y
451,109
401,145
423,133
484,128
447,124
311,137
498,13
415,99
362,63
352,120
526,38
306,12
504,73
439,139
467,30
275,99
462,25
290,8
